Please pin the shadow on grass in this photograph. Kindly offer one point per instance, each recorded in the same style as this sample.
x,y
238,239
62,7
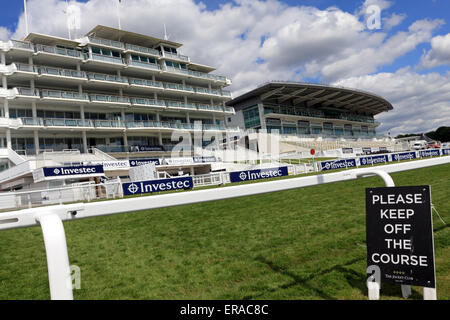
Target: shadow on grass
x,y
302,281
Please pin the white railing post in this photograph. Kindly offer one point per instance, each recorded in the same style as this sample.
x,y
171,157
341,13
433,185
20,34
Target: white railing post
x,y
57,257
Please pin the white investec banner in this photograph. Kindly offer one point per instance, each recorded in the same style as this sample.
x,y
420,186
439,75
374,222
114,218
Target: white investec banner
x,y
114,165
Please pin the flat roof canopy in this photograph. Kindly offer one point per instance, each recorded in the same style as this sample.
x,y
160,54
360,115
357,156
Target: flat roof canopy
x,y
316,96
129,37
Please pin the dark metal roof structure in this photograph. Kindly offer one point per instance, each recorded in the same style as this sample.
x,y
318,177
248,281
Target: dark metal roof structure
x,y
316,96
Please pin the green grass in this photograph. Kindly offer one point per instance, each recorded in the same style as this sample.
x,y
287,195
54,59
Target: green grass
x,y
300,244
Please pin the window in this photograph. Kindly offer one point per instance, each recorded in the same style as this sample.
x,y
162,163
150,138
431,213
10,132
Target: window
x,y
134,57
115,54
251,117
169,63
96,50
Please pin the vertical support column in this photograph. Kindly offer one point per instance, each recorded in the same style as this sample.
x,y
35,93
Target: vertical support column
x,y
83,133
261,116
35,132
2,58
8,138
188,118
160,141
57,257
125,140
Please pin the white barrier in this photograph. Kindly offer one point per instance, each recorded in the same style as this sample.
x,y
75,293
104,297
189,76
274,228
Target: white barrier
x,y
50,217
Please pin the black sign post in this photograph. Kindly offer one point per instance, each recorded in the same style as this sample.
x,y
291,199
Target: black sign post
x,y
399,234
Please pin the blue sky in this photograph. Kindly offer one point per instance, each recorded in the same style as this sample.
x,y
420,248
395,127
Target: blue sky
x,y
406,61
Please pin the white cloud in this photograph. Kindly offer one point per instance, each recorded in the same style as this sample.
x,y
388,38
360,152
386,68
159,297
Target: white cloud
x,y
5,34
421,102
393,21
439,53
254,41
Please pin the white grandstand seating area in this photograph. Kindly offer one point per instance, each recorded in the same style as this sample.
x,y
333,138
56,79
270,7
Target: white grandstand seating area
x,y
324,144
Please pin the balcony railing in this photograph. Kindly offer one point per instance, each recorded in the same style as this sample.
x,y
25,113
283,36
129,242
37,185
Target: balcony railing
x,y
109,59
107,77
140,49
63,95
147,102
28,92
91,123
110,99
147,83
62,72
59,51
176,56
176,70
22,45
146,65
25,67
107,42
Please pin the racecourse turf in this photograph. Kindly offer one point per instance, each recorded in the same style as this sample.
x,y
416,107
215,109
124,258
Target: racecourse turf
x,y
306,243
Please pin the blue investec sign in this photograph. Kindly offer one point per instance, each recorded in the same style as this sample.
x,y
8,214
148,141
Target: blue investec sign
x,y
446,152
239,176
141,162
340,164
157,185
373,160
73,171
403,156
430,153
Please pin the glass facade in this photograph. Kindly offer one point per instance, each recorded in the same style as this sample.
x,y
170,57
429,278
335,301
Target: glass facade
x,y
251,117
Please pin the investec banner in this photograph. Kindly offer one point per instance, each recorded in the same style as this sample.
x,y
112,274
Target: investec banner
x,y
114,165
239,176
141,162
54,173
446,152
157,185
340,164
430,153
404,156
204,159
373,160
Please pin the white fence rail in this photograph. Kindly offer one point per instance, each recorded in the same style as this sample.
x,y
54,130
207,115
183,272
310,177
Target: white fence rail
x,y
50,218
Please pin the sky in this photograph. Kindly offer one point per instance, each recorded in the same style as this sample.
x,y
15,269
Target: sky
x,y
398,49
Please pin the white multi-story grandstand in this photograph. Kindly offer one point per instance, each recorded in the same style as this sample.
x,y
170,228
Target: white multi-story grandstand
x,y
119,93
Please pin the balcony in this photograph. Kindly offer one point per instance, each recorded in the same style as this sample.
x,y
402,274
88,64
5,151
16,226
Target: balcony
x,y
59,51
61,72
176,56
209,107
107,123
146,65
25,67
207,76
140,49
28,92
145,83
64,95
176,70
101,98
229,110
107,42
107,78
107,59
147,102
16,44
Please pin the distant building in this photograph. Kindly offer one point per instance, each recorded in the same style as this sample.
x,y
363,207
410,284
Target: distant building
x,y
309,110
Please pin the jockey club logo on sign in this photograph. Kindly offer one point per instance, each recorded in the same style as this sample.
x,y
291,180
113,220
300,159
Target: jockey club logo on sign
x,y
399,234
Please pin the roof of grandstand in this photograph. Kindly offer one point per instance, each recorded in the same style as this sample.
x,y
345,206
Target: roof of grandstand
x,y
317,96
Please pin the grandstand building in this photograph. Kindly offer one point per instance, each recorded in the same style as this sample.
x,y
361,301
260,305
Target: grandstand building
x,y
309,110
112,91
